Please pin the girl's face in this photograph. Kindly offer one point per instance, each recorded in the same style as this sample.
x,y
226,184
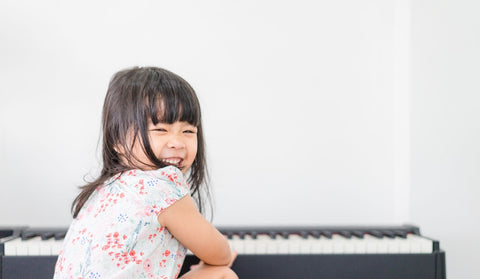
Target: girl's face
x,y
174,144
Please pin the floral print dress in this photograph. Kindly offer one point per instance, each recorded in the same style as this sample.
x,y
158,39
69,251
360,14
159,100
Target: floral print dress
x,y
116,233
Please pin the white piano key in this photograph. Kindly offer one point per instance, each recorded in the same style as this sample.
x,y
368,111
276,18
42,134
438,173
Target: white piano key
x,y
22,248
10,247
34,246
46,247
427,246
306,245
265,245
326,244
404,246
260,245
350,245
315,245
272,247
359,245
376,245
382,245
371,243
249,245
394,245
57,246
420,244
338,242
282,245
237,244
294,244
415,247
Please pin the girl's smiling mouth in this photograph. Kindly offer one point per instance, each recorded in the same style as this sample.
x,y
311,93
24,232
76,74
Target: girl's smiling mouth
x,y
173,161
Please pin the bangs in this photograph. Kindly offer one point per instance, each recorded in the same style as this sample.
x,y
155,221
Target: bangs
x,y
174,102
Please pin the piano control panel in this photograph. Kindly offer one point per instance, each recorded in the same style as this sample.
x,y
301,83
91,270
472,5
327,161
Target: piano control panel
x,y
267,252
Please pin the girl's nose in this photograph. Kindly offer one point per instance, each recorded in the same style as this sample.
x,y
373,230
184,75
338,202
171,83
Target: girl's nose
x,y
175,142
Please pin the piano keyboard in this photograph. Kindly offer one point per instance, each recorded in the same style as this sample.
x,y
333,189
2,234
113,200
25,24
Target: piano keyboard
x,y
328,241
262,241
35,242
268,252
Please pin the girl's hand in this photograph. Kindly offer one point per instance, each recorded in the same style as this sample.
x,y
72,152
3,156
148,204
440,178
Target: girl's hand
x,y
201,263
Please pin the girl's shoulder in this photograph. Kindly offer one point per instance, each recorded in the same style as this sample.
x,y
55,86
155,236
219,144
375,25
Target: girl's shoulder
x,y
152,190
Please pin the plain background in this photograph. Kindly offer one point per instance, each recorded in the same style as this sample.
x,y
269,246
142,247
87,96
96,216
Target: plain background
x,y
315,112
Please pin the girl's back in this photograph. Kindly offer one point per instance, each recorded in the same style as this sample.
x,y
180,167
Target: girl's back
x,y
116,233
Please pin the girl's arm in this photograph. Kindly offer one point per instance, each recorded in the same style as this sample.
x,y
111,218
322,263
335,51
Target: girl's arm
x,y
188,226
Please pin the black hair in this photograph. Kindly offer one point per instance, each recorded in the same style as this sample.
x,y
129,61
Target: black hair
x,y
134,97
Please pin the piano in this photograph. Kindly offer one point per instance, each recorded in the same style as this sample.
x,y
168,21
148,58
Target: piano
x,y
340,252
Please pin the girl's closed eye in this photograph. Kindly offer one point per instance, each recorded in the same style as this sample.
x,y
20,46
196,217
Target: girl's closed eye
x,y
160,127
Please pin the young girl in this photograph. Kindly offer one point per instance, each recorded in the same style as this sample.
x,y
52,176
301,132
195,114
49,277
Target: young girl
x,y
137,219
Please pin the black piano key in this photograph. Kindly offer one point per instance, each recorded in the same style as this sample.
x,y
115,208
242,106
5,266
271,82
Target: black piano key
x,y
358,234
376,233
28,234
315,234
402,234
327,234
227,234
60,235
10,232
346,234
5,233
304,234
46,235
272,234
284,234
388,234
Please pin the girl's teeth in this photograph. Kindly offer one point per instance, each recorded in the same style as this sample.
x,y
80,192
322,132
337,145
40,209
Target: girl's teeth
x,y
171,161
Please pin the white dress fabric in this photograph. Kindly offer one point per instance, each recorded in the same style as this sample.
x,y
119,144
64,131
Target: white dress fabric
x,y
116,233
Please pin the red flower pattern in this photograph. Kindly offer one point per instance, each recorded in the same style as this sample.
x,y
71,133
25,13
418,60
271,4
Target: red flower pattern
x,y
119,245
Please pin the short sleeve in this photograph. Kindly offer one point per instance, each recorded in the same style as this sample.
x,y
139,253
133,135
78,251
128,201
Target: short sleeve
x,y
162,188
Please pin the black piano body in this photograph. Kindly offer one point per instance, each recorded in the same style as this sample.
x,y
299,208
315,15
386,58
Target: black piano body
x,y
260,265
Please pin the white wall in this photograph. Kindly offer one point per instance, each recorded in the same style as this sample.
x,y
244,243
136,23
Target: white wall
x,y
445,128
307,110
